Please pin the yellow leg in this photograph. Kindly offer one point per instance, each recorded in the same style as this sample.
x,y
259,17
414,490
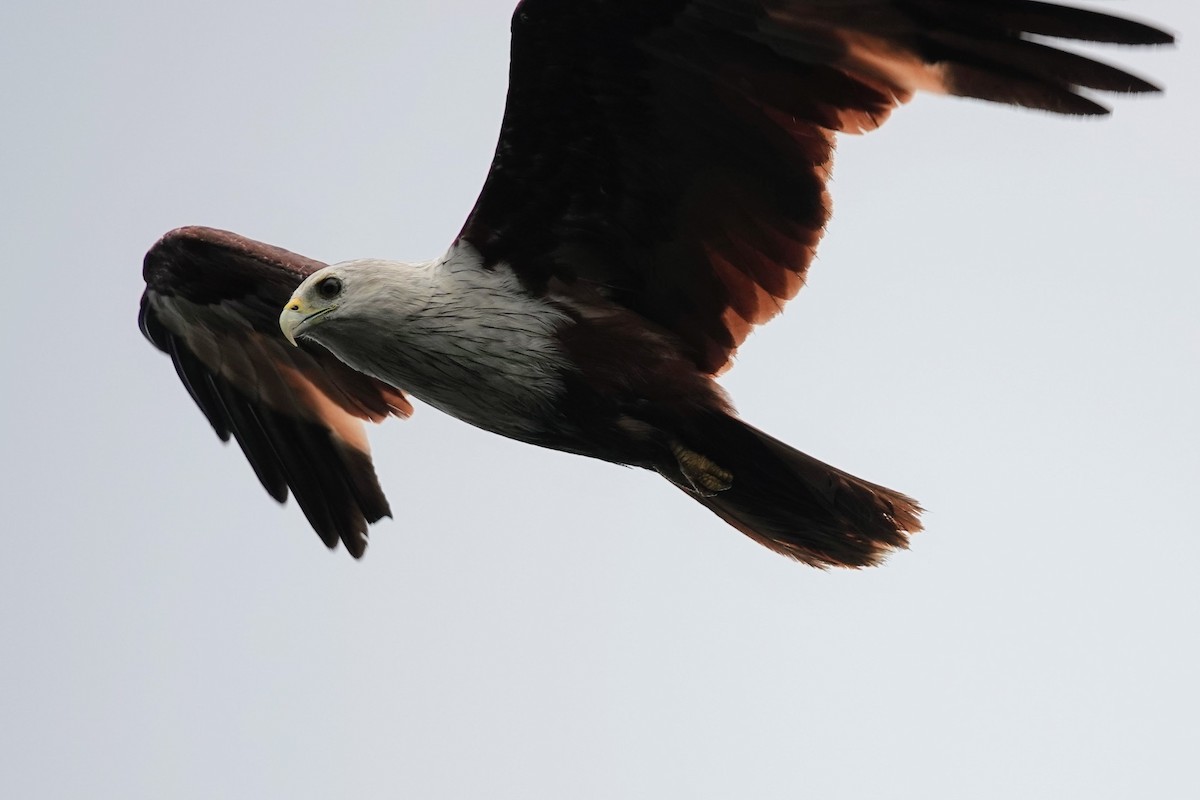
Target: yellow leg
x,y
706,477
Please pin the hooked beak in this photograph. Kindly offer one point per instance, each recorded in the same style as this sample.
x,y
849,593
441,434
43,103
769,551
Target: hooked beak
x,y
298,315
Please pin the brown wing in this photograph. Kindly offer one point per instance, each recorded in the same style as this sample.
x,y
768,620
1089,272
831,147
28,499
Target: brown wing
x,y
674,153
212,303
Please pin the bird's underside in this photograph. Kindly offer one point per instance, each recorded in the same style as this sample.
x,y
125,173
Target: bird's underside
x,y
659,189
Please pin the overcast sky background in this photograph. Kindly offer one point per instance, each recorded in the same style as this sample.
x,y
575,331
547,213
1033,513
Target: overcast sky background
x,y
1003,323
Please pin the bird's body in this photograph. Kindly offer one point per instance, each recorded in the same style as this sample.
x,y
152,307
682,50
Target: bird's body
x,y
573,371
474,342
659,189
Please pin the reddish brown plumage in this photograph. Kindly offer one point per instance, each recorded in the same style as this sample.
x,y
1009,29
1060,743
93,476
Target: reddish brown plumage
x,y
675,153
212,303
799,506
660,177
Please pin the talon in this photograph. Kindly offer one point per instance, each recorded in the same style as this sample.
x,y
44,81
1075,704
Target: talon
x,y
706,477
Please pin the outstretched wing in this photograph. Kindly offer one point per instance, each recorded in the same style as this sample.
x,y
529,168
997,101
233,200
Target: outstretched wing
x,y
673,154
212,303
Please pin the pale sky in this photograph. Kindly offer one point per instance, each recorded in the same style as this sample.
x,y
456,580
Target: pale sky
x,y
1002,323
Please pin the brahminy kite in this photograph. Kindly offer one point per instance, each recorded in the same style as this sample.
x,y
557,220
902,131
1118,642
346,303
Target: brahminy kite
x,y
658,190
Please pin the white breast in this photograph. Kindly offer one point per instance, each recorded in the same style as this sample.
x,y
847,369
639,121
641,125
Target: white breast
x,y
466,340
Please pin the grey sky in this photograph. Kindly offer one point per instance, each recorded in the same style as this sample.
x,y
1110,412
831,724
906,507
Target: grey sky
x,y
1002,322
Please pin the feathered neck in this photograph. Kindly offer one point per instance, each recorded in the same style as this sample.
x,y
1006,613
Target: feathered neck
x,y
464,338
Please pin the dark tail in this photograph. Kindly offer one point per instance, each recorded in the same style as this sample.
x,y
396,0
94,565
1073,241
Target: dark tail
x,y
797,505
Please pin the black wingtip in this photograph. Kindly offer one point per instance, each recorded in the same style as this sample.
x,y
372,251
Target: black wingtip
x,y
356,546
1144,34
1139,85
1139,34
1084,25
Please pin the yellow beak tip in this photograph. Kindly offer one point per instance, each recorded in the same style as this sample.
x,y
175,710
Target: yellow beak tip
x,y
289,318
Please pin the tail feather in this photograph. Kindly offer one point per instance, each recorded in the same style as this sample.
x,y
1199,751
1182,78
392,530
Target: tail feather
x,y
798,506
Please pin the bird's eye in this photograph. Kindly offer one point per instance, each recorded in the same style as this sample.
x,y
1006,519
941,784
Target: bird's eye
x,y
329,288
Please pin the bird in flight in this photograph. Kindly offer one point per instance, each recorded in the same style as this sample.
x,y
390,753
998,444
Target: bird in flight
x,y
659,189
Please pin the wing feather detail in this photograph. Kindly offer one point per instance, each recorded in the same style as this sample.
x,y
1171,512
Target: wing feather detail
x,y
211,303
673,155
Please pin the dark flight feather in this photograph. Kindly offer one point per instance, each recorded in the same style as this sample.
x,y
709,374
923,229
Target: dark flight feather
x,y
212,303
674,155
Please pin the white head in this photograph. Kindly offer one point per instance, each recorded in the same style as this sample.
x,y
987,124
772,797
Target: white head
x,y
468,340
345,296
